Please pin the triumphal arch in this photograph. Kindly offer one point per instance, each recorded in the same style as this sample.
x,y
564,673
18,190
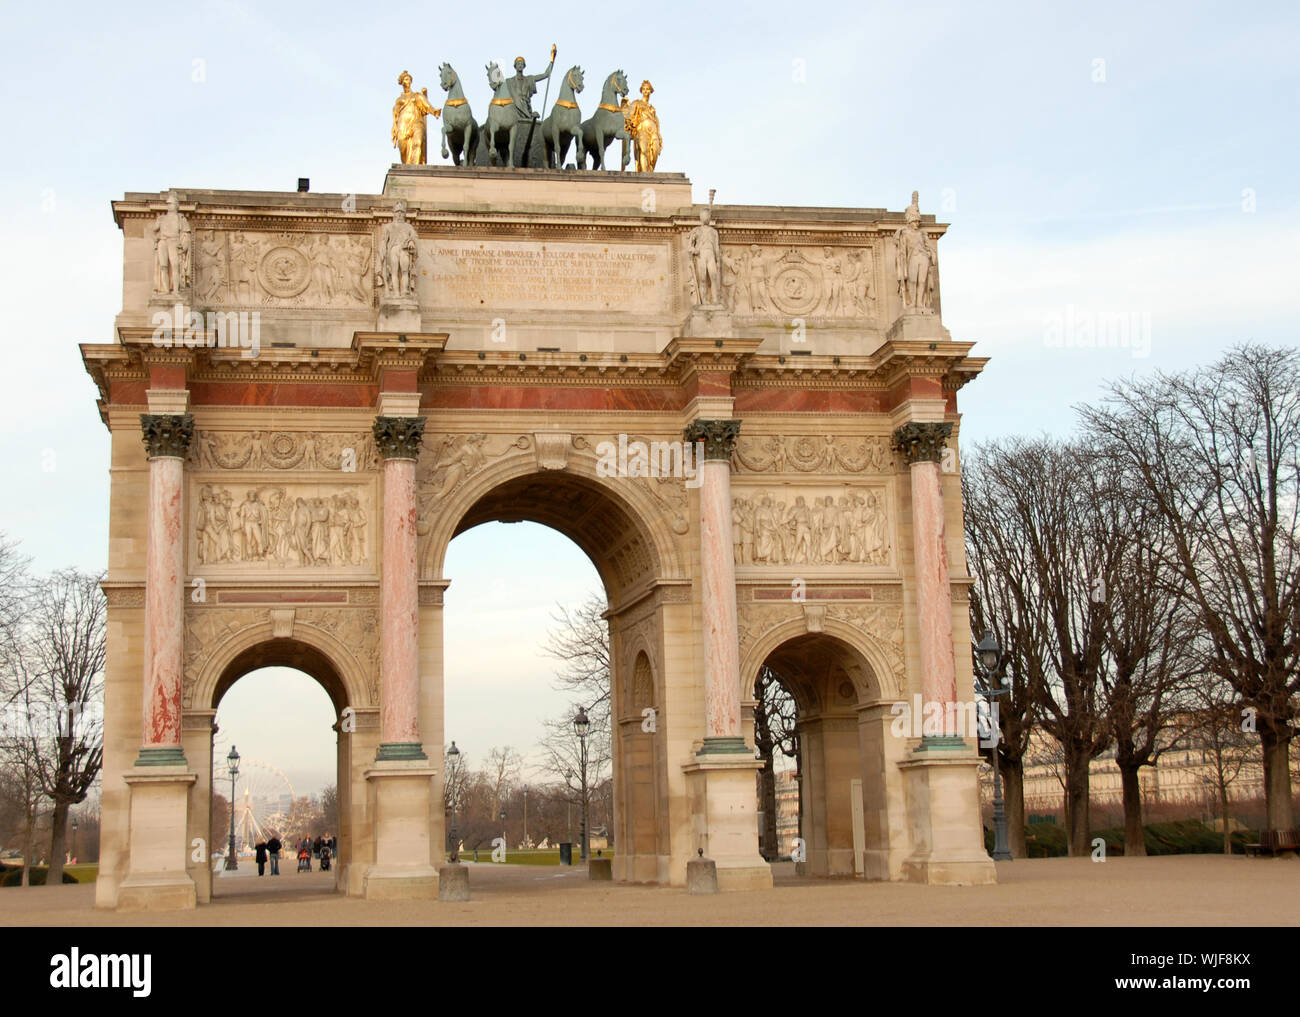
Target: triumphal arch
x,y
745,415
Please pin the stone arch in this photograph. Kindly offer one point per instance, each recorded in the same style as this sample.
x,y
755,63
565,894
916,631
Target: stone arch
x,y
634,540
310,649
872,676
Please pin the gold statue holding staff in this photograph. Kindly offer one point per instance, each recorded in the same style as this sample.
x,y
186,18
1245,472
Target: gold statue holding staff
x,y
642,124
408,122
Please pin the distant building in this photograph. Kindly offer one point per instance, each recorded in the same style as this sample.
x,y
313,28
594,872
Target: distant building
x,y
787,810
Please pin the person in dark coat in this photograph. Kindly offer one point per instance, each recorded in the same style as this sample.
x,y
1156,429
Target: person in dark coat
x,y
260,848
273,847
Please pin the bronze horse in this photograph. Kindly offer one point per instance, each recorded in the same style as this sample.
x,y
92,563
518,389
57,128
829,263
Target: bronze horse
x,y
458,126
563,124
606,123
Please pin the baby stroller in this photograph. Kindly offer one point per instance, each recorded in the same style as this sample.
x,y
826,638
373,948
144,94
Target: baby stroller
x,y
304,860
324,858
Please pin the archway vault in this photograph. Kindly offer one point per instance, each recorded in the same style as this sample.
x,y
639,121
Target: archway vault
x,y
310,649
629,527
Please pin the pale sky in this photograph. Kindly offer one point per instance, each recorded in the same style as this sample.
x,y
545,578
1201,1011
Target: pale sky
x,y
1097,159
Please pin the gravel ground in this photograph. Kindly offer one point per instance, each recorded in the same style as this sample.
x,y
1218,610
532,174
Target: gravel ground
x,y
1184,890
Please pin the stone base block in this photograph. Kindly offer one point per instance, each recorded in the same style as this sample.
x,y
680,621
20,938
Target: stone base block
x,y
709,322
600,869
398,314
453,883
724,812
915,325
145,893
156,878
947,834
400,793
701,876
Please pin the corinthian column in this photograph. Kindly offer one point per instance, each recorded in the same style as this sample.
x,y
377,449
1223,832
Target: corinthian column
x,y
718,584
398,441
167,439
921,445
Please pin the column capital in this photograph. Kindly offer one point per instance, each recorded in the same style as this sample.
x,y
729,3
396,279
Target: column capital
x,y
167,434
398,437
919,442
719,436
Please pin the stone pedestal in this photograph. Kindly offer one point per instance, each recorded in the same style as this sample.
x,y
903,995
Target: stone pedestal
x,y
398,314
709,321
701,876
915,325
943,798
400,795
159,813
600,869
724,814
453,883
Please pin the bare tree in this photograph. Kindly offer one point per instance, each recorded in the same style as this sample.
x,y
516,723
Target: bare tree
x,y
329,807
1217,732
1149,633
502,775
57,663
1217,452
580,641
1004,601
775,730
1040,494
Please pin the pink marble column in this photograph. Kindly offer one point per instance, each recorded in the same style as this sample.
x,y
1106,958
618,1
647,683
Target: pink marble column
x,y
922,445
167,438
398,441
718,586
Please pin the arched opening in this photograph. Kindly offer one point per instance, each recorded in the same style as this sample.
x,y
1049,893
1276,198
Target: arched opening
x,y
601,519
280,702
832,684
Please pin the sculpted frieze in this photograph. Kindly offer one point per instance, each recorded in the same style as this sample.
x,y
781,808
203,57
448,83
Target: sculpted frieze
x,y
248,269
826,282
271,526
812,453
283,450
815,527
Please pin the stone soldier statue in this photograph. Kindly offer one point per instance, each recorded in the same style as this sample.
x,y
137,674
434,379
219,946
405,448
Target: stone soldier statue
x,y
524,86
172,244
915,262
706,260
395,256
409,111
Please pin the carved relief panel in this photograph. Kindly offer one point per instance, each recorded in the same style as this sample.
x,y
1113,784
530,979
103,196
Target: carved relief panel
x,y
815,525
262,523
248,269
798,282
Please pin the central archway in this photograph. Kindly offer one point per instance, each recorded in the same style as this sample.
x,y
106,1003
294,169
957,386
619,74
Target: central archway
x,y
627,532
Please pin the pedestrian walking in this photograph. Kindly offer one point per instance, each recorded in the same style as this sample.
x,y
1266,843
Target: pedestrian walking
x,y
260,849
273,847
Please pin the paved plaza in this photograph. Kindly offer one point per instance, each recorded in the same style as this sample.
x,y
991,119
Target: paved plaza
x,y
1188,890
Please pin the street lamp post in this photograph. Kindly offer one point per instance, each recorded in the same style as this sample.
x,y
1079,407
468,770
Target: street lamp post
x,y
453,763
74,839
232,764
525,816
990,655
581,725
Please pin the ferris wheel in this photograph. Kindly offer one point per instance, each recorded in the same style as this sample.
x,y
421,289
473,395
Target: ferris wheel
x,y
264,800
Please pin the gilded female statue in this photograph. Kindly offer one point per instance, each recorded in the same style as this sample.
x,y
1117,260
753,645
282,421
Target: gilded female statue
x,y
409,112
643,125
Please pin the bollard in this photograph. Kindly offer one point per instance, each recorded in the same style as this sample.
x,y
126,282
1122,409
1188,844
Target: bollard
x,y
453,882
600,868
701,875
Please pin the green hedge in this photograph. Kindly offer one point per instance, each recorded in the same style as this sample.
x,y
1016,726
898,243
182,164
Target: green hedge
x,y
1186,837
13,876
